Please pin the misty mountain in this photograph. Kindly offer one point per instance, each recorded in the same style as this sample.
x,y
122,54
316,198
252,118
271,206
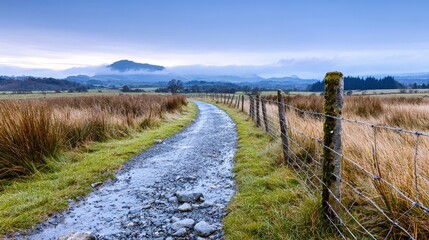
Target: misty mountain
x,y
127,65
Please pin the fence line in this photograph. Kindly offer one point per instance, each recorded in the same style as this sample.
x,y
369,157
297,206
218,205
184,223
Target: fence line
x,y
321,171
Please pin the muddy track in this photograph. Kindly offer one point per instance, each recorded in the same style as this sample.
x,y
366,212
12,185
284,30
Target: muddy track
x,y
142,201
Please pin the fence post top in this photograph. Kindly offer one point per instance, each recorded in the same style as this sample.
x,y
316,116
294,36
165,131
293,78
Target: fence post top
x,y
333,77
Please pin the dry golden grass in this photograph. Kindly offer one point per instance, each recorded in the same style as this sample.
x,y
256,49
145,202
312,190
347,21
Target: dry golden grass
x,y
32,132
393,161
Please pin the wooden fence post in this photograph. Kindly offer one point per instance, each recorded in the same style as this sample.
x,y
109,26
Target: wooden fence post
x,y
242,103
264,114
332,106
283,127
251,106
258,115
232,100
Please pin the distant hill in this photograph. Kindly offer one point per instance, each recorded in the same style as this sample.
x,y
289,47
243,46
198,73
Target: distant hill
x,y
26,84
127,65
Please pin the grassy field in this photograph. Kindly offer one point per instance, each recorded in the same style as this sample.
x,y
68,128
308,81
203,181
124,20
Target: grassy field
x,y
25,202
271,202
52,94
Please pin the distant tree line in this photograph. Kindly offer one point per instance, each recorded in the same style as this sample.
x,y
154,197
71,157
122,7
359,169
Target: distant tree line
x,y
178,86
29,83
358,83
126,88
419,86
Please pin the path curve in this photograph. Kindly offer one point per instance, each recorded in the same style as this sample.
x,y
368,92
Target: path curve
x,y
140,203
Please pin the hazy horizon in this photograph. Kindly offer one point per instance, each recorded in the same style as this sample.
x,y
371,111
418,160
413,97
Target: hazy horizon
x,y
270,38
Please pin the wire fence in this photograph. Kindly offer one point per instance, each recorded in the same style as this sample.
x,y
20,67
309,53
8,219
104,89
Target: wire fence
x,y
373,179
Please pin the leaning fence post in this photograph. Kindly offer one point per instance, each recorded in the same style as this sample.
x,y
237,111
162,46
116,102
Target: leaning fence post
x,y
283,126
242,103
264,114
332,107
258,115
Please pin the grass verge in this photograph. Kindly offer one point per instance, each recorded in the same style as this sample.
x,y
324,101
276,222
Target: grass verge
x,y
270,203
25,203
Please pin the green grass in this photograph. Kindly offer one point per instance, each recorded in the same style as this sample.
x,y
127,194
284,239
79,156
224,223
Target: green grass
x,y
29,201
271,203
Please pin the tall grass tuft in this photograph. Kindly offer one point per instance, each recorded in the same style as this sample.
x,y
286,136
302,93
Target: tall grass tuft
x,y
28,136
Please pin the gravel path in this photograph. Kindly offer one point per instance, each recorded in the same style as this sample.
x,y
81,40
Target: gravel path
x,y
177,189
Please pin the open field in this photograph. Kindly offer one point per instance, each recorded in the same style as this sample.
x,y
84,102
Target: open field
x,y
52,94
33,132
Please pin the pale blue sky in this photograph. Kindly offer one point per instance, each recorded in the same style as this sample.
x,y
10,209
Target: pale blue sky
x,y
359,36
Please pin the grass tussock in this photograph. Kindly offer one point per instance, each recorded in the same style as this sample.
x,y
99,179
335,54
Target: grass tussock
x,y
33,132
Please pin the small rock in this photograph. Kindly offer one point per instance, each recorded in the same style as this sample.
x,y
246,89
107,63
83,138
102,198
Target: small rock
x,y
204,229
131,224
159,141
186,207
189,196
96,184
172,199
169,238
184,223
180,233
78,236
206,205
147,206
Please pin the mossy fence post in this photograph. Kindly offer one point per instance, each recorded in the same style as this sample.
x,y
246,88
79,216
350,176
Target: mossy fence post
x,y
264,114
242,103
258,114
332,106
283,126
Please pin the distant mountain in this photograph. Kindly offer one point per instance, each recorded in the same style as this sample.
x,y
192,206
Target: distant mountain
x,y
17,84
127,65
